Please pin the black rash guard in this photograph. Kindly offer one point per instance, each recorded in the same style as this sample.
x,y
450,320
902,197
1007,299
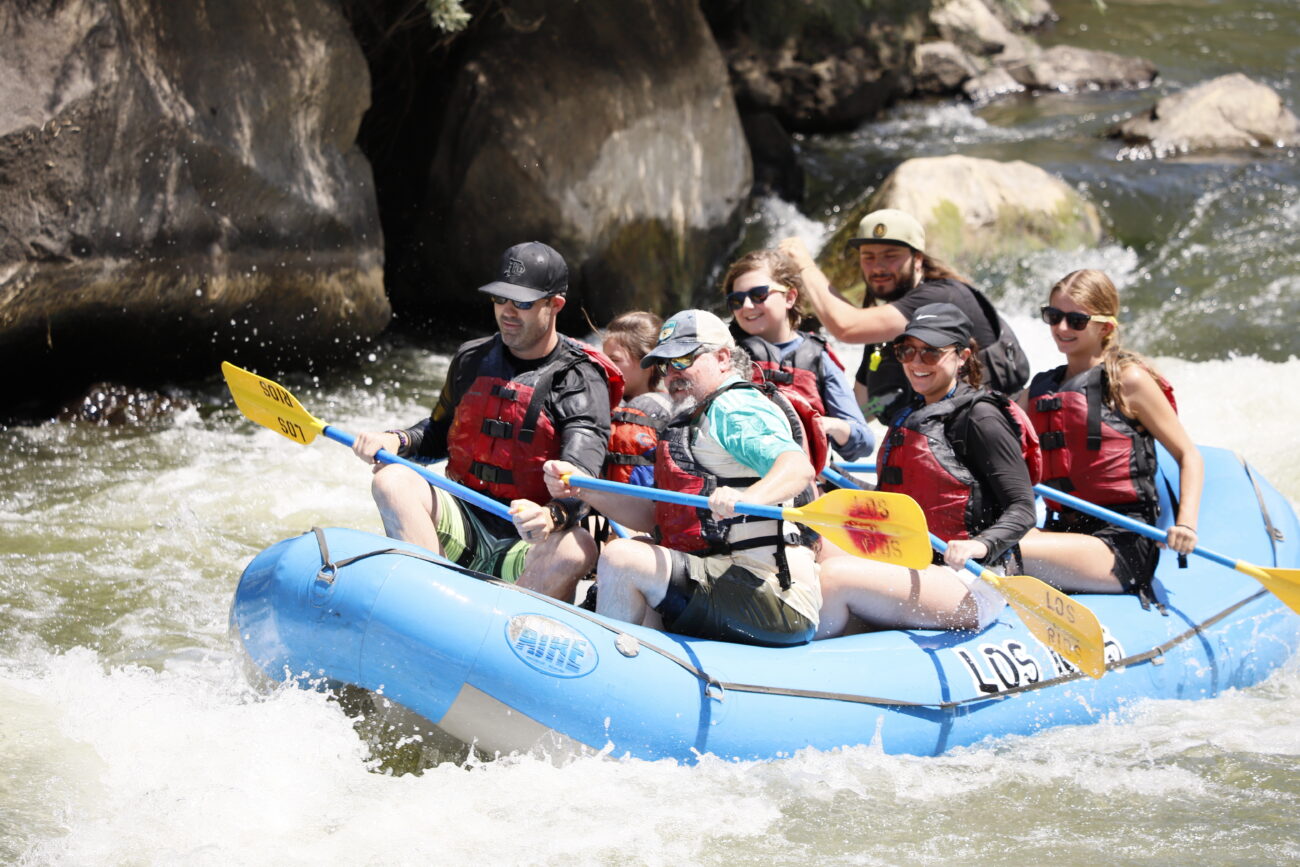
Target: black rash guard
x,y
993,456
578,404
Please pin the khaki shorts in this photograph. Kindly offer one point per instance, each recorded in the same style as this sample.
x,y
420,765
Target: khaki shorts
x,y
479,540
714,597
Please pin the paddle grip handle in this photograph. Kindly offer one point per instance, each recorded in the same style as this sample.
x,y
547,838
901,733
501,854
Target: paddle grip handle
x,y
456,489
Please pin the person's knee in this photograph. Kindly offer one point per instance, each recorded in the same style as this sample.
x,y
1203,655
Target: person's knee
x,y
622,557
577,549
393,483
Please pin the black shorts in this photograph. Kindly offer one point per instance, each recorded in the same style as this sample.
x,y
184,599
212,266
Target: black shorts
x,y
711,597
1135,556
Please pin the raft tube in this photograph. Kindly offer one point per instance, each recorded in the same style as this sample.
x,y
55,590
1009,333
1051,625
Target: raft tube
x,y
508,670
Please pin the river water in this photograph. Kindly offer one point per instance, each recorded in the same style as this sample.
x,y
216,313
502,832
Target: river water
x,y
130,733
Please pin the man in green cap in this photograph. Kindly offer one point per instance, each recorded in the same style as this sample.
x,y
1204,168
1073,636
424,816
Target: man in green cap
x,y
901,278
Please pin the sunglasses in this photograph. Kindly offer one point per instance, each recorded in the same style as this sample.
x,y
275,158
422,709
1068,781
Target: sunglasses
x,y
757,295
905,352
519,305
682,362
1076,321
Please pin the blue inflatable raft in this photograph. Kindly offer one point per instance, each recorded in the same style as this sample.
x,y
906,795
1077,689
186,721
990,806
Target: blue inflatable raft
x,y
507,670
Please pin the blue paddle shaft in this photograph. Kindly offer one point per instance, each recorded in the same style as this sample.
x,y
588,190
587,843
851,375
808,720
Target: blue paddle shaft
x,y
663,496
1124,521
454,488
1142,529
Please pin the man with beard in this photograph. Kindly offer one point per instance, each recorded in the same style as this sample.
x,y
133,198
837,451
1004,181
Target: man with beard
x,y
511,402
710,572
901,278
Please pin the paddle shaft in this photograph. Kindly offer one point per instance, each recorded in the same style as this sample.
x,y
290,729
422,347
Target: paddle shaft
x,y
662,496
1141,528
454,488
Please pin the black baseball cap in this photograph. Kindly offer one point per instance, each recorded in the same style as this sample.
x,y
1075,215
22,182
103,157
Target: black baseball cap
x,y
529,271
939,325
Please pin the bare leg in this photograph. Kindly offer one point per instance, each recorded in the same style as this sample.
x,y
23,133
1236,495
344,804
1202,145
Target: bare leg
x,y
407,506
633,580
555,566
884,596
1074,562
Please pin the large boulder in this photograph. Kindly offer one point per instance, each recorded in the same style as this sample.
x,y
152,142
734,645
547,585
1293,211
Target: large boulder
x,y
1228,112
974,209
180,182
1066,68
606,130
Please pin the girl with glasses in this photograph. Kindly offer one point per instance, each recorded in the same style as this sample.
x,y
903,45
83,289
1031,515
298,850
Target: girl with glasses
x,y
763,291
1098,418
957,450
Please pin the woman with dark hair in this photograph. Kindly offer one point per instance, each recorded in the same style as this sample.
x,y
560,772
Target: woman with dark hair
x,y
637,422
1098,417
763,291
958,451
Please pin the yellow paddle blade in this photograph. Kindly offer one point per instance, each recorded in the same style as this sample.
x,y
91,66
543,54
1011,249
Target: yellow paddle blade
x,y
889,527
1282,583
270,404
1057,619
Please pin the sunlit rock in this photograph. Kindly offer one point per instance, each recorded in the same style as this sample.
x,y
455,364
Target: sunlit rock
x,y
942,67
1228,112
180,182
1066,68
973,209
990,85
1022,14
972,27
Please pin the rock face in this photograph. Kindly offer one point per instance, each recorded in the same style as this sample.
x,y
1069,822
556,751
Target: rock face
x,y
1227,112
606,130
973,208
182,176
817,66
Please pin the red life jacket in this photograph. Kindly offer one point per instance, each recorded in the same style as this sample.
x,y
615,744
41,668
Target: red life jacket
x,y
925,457
502,432
1090,449
800,369
633,437
696,531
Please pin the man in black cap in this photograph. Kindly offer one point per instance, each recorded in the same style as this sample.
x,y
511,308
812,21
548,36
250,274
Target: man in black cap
x,y
710,572
901,278
511,401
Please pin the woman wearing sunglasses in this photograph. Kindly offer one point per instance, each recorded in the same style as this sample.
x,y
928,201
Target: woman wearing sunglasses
x,y
957,450
1098,417
762,290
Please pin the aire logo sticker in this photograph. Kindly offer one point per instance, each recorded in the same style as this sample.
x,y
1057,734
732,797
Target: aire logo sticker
x,y
549,646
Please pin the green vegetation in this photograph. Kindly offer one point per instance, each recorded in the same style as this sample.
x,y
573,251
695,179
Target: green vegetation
x,y
448,16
